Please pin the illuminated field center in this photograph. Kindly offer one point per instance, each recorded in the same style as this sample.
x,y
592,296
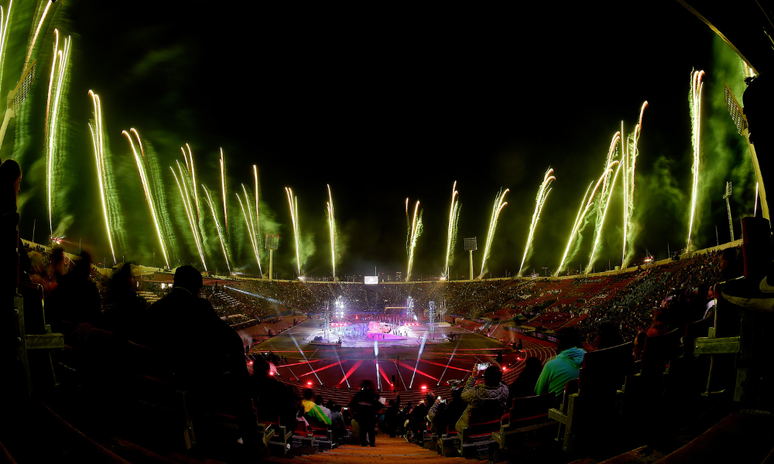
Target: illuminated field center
x,y
412,356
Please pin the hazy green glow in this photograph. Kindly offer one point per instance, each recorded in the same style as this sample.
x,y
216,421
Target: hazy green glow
x,y
149,196
540,200
99,152
451,231
217,226
293,204
695,105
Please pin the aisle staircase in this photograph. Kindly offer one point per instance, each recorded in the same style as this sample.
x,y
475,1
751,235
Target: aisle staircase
x,y
392,450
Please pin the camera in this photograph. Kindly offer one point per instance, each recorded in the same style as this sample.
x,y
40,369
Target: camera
x,y
482,366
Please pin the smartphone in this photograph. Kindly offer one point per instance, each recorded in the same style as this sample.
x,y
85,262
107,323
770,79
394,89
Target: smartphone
x,y
482,366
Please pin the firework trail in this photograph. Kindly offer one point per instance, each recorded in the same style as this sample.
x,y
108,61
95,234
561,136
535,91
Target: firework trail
x,y
293,204
189,212
607,188
629,155
97,137
601,217
208,199
192,176
408,228
499,204
254,237
257,225
415,231
35,34
332,227
605,196
695,101
59,68
223,188
143,169
581,218
451,233
540,200
5,18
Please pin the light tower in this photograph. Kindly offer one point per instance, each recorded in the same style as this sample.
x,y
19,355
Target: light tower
x,y
326,321
470,244
271,243
727,197
431,316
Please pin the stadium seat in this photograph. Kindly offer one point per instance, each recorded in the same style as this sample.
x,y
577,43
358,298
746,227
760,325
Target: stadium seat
x,y
484,420
527,420
584,413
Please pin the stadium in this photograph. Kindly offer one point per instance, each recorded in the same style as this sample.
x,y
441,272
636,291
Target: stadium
x,y
215,342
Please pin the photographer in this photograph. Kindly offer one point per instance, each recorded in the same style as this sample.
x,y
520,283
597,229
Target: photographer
x,y
491,392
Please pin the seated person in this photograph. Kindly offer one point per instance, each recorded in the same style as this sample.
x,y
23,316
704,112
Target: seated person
x,y
565,366
479,394
312,410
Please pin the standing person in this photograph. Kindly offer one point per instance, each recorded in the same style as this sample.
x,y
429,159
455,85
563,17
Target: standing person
x,y
365,405
214,360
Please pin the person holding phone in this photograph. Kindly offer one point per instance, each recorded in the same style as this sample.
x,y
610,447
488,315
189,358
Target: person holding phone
x,y
492,392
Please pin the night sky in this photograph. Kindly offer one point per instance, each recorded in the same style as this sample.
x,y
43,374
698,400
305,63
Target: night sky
x,y
385,104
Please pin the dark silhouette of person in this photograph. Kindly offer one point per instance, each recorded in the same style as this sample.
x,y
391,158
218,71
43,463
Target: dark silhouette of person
x,y
124,309
365,405
202,351
76,299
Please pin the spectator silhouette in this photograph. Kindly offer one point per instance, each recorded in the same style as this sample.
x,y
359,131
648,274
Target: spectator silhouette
x,y
124,310
202,351
365,405
76,299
